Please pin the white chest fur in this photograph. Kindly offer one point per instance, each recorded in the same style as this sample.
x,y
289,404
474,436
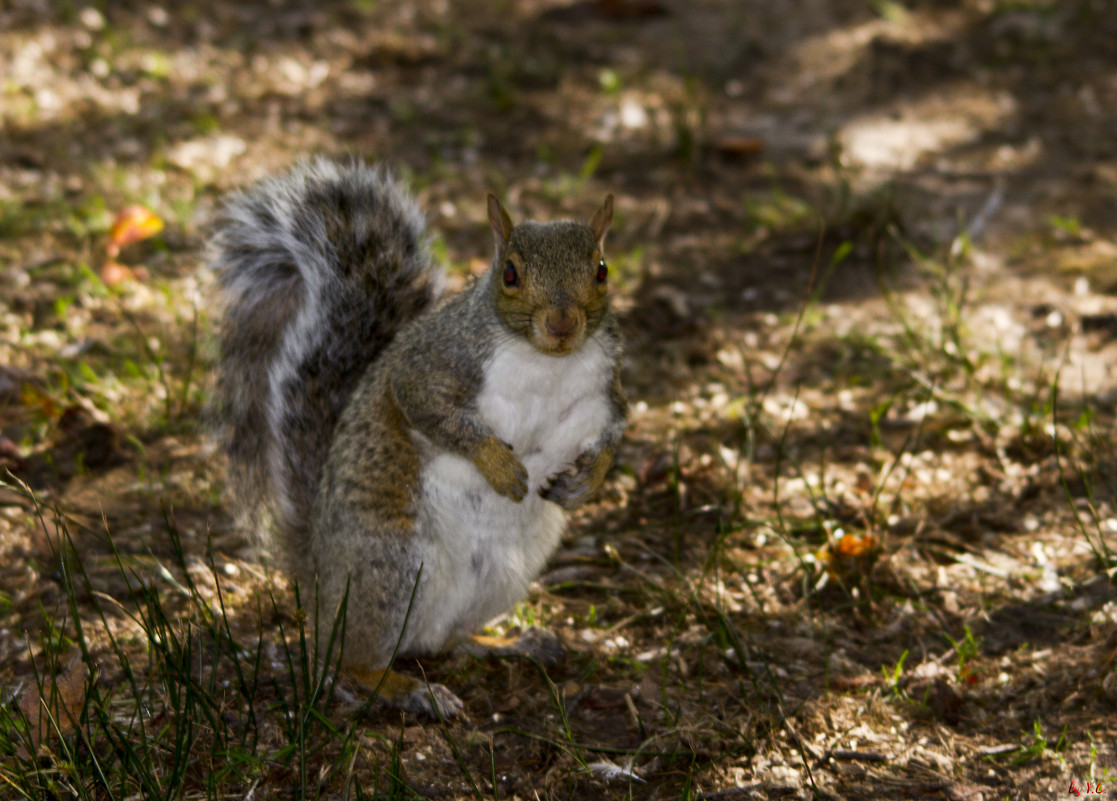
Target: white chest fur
x,y
548,408
480,550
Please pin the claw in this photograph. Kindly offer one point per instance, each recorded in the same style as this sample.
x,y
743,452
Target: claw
x,y
574,485
567,489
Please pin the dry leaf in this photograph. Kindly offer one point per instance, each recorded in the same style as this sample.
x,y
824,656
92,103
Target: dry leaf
x,y
133,224
851,546
851,555
32,397
59,704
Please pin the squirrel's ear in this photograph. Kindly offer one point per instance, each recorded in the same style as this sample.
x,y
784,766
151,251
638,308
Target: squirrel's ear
x,y
500,221
601,220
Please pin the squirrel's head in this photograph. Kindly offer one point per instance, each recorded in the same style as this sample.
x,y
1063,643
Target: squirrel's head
x,y
550,280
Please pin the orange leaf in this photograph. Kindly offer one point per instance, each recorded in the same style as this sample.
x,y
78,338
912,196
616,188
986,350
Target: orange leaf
x,y
850,545
133,224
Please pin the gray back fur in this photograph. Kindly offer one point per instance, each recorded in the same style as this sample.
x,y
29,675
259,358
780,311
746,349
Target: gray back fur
x,y
319,268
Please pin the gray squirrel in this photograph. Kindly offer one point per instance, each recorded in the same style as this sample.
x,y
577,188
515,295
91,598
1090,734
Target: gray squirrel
x,y
409,453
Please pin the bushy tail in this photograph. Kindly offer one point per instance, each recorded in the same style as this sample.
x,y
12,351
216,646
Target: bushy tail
x,y
319,268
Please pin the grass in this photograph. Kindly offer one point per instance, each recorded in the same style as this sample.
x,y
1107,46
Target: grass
x,y
1040,745
188,706
1094,474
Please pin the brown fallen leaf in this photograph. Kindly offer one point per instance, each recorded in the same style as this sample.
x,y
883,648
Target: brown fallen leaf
x,y
59,704
739,147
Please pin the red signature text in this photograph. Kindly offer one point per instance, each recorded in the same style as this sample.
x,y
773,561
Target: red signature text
x,y
1090,789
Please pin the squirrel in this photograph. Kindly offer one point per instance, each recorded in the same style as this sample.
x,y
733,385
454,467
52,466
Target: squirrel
x,y
409,454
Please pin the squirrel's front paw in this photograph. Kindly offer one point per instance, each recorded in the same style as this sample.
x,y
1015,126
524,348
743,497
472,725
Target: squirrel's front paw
x,y
500,467
575,485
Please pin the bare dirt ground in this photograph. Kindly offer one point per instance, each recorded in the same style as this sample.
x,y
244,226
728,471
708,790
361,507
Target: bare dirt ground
x,y
862,535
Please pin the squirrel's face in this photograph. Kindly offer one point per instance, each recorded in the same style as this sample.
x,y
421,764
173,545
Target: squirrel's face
x,y
550,280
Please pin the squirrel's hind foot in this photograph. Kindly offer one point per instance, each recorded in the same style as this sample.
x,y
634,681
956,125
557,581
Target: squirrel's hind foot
x,y
433,701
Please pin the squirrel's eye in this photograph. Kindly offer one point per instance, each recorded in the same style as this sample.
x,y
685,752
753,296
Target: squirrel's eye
x,y
602,271
511,277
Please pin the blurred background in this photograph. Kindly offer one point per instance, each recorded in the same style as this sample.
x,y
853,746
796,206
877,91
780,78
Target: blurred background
x,y
746,141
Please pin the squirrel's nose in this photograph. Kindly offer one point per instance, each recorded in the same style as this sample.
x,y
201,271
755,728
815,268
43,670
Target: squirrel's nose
x,y
561,322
